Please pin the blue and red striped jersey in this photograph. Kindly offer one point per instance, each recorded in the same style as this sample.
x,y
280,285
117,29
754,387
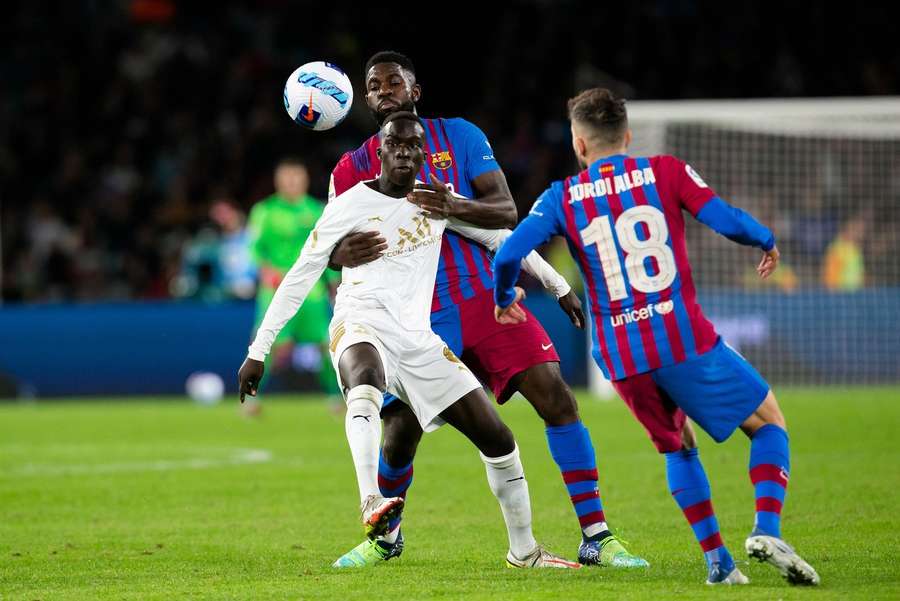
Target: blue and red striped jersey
x,y
457,152
623,220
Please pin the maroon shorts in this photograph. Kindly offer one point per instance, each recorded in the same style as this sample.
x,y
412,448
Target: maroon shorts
x,y
494,352
661,417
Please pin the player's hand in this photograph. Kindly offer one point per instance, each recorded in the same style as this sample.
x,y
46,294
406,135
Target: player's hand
x,y
249,375
358,249
769,263
269,276
571,305
513,313
435,198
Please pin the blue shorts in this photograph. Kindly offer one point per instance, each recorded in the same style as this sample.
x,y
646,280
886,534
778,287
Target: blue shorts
x,y
719,389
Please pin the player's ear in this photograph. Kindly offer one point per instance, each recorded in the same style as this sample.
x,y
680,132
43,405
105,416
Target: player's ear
x,y
378,152
628,137
415,93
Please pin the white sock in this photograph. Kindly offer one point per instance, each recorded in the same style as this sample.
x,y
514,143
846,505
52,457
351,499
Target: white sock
x,y
507,481
363,426
391,537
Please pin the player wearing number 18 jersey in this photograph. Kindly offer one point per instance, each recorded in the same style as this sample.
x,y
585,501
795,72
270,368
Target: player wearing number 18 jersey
x,y
623,218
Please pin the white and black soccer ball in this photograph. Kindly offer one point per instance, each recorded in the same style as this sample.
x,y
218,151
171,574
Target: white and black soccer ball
x,y
318,95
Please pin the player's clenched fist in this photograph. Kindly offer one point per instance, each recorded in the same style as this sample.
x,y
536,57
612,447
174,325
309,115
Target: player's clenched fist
x,y
249,375
513,313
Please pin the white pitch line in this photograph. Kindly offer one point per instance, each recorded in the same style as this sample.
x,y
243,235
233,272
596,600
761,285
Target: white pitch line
x,y
238,457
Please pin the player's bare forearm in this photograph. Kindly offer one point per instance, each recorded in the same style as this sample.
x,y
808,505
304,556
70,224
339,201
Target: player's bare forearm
x,y
493,212
494,206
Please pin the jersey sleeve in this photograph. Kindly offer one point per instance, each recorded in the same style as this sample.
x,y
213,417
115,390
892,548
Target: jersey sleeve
x,y
343,177
479,154
541,224
687,185
336,222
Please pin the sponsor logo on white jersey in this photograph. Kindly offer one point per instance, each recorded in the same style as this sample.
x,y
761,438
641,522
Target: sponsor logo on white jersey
x,y
640,314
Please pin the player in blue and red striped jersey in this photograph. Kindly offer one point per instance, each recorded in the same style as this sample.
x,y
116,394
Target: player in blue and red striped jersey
x,y
623,220
459,158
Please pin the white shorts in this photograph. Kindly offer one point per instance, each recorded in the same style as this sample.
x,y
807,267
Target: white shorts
x,y
419,368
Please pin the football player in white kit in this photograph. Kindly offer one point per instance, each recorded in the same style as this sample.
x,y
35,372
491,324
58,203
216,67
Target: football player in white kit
x,y
381,337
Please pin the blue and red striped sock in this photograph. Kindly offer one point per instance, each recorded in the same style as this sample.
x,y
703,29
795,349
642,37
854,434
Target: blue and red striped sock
x,y
571,448
690,489
770,465
393,482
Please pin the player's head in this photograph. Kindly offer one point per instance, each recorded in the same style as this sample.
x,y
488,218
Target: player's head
x,y
599,125
402,148
291,178
390,84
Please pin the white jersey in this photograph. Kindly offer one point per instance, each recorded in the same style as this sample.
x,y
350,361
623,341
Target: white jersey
x,y
399,283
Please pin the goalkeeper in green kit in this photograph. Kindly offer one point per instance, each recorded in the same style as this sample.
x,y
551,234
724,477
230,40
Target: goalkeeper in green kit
x,y
278,227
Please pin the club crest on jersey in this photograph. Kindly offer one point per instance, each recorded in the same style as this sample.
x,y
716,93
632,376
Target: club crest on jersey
x,y
441,160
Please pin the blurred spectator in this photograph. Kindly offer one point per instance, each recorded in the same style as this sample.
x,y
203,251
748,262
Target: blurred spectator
x,y
279,227
235,261
114,137
844,268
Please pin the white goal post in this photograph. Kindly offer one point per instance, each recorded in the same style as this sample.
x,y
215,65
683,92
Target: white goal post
x,y
824,174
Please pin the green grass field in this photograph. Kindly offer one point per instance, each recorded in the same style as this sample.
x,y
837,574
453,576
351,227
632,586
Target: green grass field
x,y
162,499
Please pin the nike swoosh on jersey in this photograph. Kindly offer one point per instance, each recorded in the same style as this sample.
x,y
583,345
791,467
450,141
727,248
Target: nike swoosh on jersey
x,y
546,346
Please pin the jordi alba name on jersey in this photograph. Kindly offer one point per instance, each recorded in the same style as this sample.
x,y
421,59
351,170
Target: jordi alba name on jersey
x,y
622,218
457,152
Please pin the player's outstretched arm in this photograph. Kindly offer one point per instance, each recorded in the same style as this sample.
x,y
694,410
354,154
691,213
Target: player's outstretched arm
x,y
533,231
741,227
331,226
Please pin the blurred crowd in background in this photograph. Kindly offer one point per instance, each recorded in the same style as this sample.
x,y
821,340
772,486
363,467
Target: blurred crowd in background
x,y
135,136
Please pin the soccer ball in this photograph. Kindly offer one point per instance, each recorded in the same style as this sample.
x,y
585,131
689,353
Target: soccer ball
x,y
205,388
318,95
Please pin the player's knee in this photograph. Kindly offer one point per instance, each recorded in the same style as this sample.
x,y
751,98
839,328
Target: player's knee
x,y
500,441
363,375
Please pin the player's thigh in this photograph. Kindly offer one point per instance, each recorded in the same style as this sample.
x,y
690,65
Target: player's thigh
x,y
498,352
543,386
360,364
662,419
719,390
358,355
475,417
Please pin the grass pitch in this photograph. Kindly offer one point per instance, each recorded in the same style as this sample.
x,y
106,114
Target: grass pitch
x,y
162,499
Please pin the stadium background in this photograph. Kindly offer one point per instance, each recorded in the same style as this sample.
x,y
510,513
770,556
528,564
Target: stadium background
x,y
124,122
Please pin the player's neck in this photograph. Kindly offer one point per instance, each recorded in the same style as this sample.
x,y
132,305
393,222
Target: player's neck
x,y
389,188
601,153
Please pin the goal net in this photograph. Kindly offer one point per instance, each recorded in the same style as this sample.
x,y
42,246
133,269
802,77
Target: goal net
x,y
825,176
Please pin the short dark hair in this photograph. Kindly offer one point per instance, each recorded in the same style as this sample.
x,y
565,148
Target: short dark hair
x,y
389,56
602,113
291,161
402,115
